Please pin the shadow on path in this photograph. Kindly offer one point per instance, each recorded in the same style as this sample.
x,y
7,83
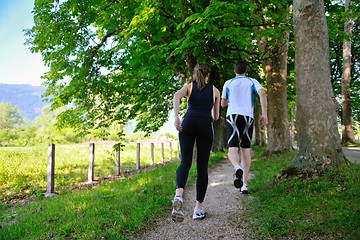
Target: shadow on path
x,y
224,212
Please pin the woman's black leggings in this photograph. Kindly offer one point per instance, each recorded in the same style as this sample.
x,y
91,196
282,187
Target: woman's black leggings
x,y
201,131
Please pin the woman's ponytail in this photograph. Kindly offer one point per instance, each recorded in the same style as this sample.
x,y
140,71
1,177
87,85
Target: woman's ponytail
x,y
200,74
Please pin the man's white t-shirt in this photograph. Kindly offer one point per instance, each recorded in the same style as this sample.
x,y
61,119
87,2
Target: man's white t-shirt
x,y
239,92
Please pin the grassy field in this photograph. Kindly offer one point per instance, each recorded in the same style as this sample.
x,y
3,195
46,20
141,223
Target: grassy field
x,y
23,169
322,207
110,210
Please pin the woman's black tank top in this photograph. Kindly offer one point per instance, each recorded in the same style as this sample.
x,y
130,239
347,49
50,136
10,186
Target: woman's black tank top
x,y
200,102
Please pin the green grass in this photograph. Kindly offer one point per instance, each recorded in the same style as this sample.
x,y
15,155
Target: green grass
x,y
352,145
23,169
323,207
111,210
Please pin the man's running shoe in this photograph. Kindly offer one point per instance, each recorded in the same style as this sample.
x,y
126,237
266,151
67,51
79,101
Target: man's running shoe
x,y
244,189
177,214
199,213
238,178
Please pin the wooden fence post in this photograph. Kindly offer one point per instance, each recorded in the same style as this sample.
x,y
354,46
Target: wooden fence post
x,y
117,162
91,163
137,156
151,154
50,171
162,153
170,149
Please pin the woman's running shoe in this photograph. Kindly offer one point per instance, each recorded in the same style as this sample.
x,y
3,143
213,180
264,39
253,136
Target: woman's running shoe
x,y
177,214
199,213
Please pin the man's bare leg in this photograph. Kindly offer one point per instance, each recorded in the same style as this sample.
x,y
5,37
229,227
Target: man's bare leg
x,y
234,157
245,164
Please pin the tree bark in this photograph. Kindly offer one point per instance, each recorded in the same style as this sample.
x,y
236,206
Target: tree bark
x,y
346,119
190,64
318,137
260,137
220,139
220,143
260,133
275,69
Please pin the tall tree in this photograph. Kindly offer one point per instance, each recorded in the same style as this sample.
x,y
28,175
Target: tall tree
x,y
112,61
10,117
260,136
274,49
336,17
275,68
10,120
318,137
346,117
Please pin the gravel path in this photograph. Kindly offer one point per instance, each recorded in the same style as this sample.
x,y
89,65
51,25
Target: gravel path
x,y
224,212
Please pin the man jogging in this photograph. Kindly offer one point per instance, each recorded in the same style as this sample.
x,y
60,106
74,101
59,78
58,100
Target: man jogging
x,y
238,94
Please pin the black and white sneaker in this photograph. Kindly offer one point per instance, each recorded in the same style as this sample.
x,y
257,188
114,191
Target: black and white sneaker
x,y
238,178
199,213
244,189
177,214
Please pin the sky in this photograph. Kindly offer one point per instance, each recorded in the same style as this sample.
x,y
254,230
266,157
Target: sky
x,y
17,64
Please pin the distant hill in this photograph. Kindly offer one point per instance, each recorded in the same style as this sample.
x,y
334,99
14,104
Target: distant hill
x,y
25,97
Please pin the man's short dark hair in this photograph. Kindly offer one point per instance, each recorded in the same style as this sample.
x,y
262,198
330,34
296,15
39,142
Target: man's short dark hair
x,y
240,67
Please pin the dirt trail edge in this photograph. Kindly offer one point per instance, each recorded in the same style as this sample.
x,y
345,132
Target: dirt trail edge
x,y
224,212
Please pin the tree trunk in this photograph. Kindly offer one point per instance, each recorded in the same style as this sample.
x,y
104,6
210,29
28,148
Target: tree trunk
x,y
260,133
260,138
346,125
318,137
190,64
275,68
220,142
220,139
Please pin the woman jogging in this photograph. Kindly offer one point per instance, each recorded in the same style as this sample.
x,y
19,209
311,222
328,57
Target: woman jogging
x,y
203,105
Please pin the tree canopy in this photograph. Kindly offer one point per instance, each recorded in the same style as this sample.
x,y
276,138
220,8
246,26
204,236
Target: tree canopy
x,y
10,117
336,16
111,61
10,120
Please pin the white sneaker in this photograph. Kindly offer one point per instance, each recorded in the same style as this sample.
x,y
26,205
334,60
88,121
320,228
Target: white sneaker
x,y
199,213
244,189
177,213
